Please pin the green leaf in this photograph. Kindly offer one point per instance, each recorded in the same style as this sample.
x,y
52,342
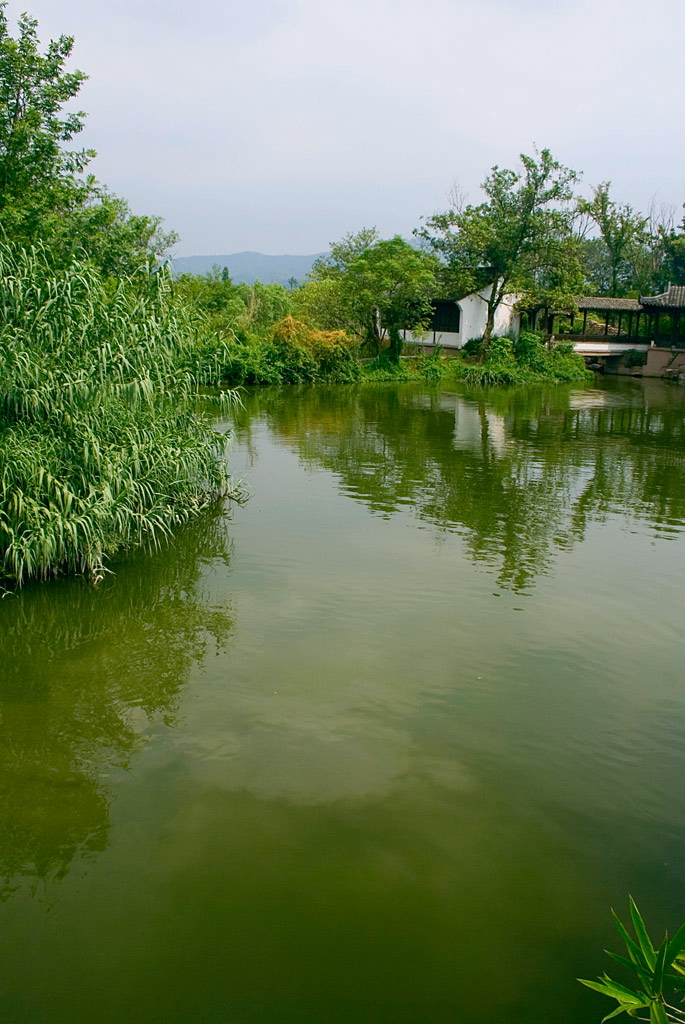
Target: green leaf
x,y
614,1013
642,936
636,954
657,1013
611,988
676,945
622,960
659,966
644,978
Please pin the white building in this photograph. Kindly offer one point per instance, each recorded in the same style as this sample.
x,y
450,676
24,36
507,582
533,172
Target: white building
x,y
454,322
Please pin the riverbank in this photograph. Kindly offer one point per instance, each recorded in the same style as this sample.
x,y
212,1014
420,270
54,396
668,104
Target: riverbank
x,y
297,354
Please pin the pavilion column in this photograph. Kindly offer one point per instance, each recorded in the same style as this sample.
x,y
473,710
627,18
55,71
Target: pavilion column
x,y
584,322
630,325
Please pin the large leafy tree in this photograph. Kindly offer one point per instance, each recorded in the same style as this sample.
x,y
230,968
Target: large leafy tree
x,y
520,240
37,174
673,263
44,193
383,286
624,236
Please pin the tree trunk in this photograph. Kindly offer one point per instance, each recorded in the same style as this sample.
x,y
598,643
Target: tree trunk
x,y
395,348
487,333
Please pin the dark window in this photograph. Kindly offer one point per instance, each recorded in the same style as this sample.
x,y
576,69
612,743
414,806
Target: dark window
x,y
445,317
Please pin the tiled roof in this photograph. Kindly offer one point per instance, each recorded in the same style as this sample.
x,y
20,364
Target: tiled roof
x,y
598,302
672,298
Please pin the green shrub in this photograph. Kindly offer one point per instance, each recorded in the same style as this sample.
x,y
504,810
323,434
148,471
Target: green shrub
x,y
488,373
472,348
523,360
632,357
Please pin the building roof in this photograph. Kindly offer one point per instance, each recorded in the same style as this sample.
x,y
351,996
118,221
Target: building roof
x,y
672,298
597,302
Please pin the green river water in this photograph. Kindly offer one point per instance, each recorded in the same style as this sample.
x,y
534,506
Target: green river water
x,y
383,744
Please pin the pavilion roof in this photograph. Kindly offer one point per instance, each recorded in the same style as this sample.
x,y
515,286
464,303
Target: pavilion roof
x,y
597,302
672,298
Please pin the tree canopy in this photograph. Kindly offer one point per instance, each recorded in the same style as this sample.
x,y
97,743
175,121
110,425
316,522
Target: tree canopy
x,y
383,286
520,240
45,194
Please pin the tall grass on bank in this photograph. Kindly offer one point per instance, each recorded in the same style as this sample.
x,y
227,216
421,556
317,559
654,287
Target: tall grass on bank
x,y
101,446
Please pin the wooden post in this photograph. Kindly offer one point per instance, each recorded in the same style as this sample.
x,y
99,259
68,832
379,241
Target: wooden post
x,y
618,332
606,324
630,325
584,322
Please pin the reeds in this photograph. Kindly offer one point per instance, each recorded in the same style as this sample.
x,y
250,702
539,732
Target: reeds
x,y
101,443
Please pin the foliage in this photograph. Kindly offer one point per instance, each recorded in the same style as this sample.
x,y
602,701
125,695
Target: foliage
x,y
631,357
525,360
36,175
621,230
103,228
320,302
100,444
293,353
429,369
43,193
673,267
633,254
383,286
519,241
657,971
241,309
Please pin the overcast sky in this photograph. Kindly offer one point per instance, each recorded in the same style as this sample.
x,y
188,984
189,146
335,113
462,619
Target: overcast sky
x,y
279,125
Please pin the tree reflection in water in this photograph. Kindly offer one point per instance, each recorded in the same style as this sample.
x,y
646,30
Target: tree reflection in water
x,y
519,473
84,672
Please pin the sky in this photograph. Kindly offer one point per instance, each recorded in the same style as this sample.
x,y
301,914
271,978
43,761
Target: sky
x,y
280,125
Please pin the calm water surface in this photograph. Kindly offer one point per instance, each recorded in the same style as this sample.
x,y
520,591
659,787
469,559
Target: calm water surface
x,y
382,745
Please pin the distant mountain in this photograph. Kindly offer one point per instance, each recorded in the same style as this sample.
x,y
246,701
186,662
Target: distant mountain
x,y
249,266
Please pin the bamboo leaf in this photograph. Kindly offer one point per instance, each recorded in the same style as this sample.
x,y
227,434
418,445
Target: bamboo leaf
x,y
642,936
676,945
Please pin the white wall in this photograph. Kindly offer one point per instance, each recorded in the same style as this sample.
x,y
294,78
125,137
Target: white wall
x,y
474,315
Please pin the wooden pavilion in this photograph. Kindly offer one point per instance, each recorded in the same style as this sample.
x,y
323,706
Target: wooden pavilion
x,y
655,319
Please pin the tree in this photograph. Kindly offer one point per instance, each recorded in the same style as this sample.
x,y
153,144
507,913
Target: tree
x,y
44,194
622,230
519,241
36,175
103,227
673,267
383,286
335,263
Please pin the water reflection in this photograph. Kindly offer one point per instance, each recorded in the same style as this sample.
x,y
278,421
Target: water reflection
x,y
519,473
85,673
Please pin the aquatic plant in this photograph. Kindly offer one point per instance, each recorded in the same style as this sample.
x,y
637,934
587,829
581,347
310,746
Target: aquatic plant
x,y
657,971
101,443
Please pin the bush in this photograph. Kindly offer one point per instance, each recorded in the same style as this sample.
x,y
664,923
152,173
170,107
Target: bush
x,y
472,348
294,354
634,358
522,360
